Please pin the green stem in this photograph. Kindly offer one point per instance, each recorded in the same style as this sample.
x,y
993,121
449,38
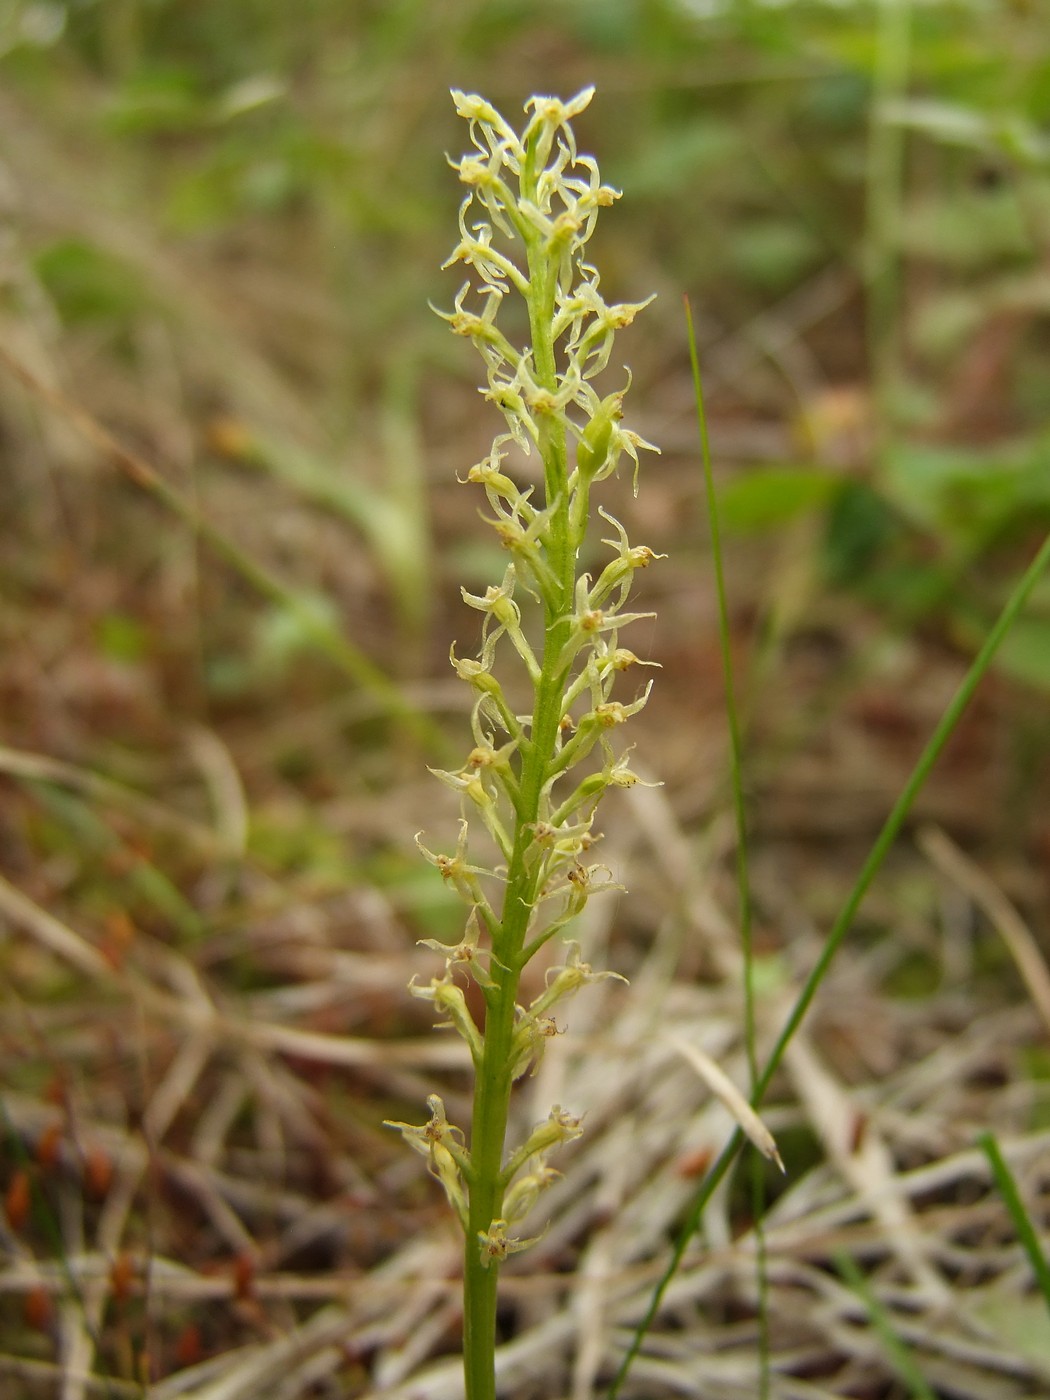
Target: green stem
x,y
488,1130
494,1073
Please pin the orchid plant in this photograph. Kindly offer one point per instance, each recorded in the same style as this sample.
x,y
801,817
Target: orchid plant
x,y
531,783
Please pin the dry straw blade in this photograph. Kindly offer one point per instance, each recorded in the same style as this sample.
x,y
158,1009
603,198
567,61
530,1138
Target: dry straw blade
x,y
730,1097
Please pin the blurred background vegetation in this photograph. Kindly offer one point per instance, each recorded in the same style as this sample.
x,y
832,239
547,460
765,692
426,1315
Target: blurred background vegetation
x,y
221,222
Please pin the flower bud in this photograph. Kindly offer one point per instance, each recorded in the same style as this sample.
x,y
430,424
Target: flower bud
x,y
522,1196
593,449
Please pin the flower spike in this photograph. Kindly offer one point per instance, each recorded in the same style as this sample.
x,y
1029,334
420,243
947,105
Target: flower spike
x,y
545,678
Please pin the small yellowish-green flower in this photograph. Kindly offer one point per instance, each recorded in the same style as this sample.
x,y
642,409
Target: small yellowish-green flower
x,y
496,1244
442,1145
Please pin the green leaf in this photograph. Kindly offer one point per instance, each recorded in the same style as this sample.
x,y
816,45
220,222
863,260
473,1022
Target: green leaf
x,y
773,253
766,497
161,100
87,284
964,493
121,638
283,635
684,155
860,527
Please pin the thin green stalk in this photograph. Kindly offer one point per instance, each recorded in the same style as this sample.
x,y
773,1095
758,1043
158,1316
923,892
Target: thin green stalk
x,y
881,848
488,1132
1026,1232
899,1353
736,752
494,1073
736,767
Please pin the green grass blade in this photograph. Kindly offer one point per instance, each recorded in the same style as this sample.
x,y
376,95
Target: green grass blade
x,y
1004,1179
732,715
885,839
898,1352
736,765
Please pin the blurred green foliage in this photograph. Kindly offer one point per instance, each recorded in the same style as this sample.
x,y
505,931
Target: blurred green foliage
x,y
305,141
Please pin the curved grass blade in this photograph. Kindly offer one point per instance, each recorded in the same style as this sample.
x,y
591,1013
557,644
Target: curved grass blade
x,y
1022,1221
898,1352
736,766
